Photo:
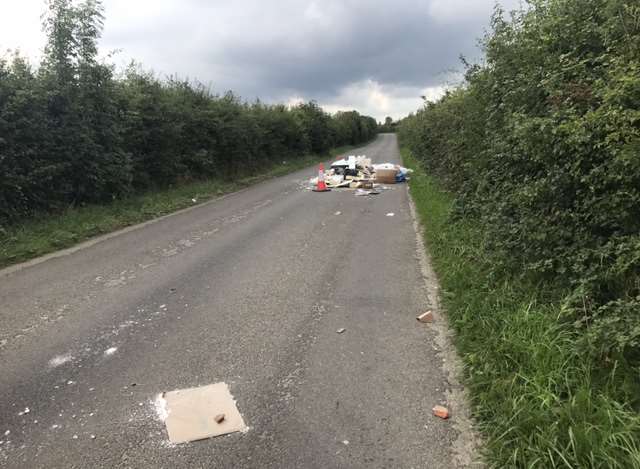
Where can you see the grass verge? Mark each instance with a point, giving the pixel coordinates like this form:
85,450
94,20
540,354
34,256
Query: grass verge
537,401
42,235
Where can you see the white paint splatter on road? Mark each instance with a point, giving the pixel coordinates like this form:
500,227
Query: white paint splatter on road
160,405
60,360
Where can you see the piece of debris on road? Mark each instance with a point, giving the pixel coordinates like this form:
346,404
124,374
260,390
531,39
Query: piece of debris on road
366,192
341,330
441,411
198,413
426,317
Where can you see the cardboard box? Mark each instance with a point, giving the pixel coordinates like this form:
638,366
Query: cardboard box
386,176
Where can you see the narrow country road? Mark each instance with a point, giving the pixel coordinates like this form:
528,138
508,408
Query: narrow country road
249,289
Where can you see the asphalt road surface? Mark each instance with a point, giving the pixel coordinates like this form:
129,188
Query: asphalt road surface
250,290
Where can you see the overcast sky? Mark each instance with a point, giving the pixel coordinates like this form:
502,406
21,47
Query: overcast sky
375,56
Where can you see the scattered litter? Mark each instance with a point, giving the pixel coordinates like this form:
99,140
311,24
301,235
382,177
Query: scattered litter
390,214
338,213
193,200
219,418
93,437
110,351
440,411
425,317
192,414
345,442
358,172
341,330
71,382
75,437
7,433
366,192
351,166
25,411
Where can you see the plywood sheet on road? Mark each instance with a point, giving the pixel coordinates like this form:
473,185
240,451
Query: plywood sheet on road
192,413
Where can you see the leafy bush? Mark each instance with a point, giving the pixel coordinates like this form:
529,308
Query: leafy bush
537,397
542,146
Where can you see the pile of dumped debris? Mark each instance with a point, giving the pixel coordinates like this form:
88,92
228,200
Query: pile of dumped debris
358,172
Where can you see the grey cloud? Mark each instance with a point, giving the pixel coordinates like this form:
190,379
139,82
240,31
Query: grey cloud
411,54
313,49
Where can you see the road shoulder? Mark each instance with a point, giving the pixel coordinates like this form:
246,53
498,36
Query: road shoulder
467,445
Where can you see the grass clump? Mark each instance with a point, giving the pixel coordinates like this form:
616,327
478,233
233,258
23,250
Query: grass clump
538,401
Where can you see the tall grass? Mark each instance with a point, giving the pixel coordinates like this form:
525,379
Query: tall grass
535,398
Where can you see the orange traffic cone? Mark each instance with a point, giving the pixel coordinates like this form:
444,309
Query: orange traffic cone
322,186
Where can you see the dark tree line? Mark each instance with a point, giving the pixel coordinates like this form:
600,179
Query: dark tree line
542,146
73,132
388,126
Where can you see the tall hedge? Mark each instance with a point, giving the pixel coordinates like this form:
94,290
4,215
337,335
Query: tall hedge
72,131
542,146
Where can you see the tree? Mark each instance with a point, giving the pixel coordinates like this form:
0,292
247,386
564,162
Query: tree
84,148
